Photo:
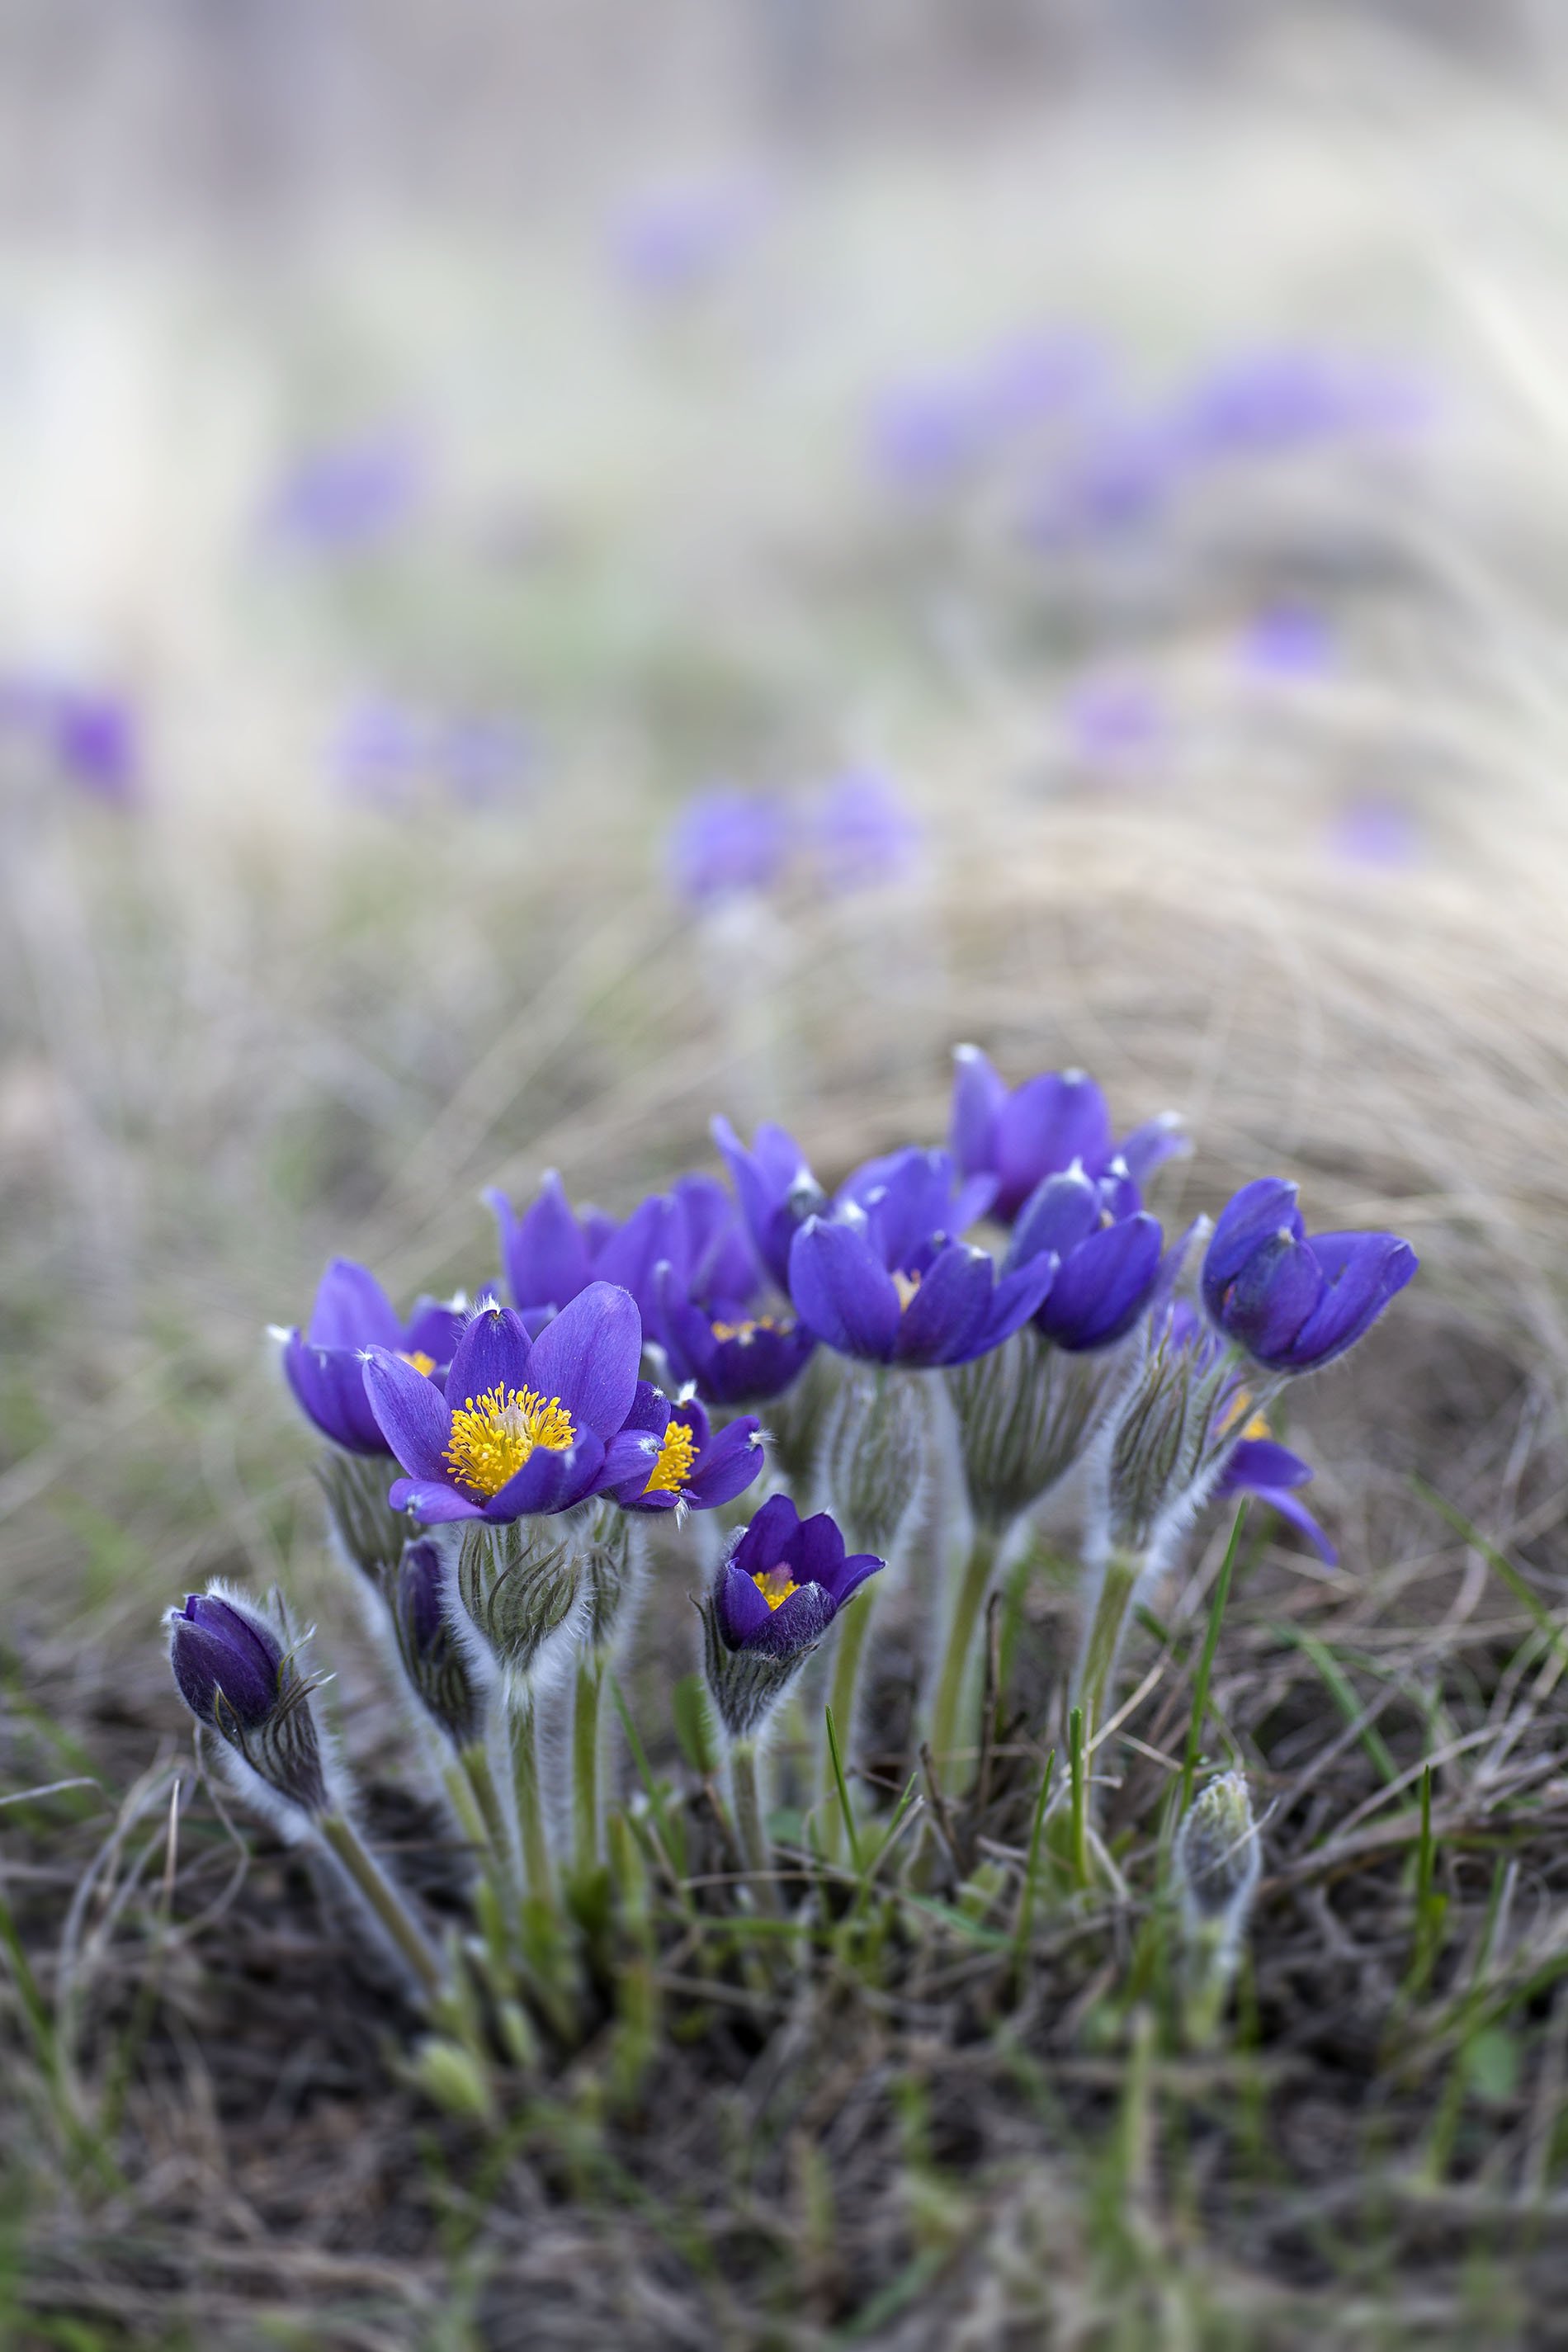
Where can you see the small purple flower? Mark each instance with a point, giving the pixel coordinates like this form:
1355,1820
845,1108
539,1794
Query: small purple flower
227,1661
726,845
1294,1303
785,1581
325,1368
734,1350
1021,1135
525,1427
379,755
552,1253
928,431
1374,829
1107,1253
775,1188
691,1467
883,1279
351,494
1288,642
862,832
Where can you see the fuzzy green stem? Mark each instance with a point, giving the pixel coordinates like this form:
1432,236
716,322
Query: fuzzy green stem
586,1759
342,1840
843,1698
537,1874
966,1609
475,1762
1102,1641
755,1850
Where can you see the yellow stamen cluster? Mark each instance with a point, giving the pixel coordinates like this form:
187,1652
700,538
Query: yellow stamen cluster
906,1284
747,1331
1255,1425
419,1360
776,1585
493,1436
677,1453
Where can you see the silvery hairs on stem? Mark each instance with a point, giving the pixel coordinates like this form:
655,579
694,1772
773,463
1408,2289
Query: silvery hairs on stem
874,1467
1218,1860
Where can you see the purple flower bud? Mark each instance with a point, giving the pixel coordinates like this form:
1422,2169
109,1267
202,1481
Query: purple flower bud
1294,1303
226,1660
432,1659
784,1582
1053,1123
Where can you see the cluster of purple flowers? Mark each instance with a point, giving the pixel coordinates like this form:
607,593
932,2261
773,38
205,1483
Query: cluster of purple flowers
853,834
617,1370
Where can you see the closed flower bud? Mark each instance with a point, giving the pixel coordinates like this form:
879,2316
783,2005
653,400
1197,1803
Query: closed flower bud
1217,1861
236,1670
520,1585
1025,1414
439,1674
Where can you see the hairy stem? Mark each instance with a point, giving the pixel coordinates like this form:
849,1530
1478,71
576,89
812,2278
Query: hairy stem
586,1759
843,1700
755,1850
383,1899
537,1874
966,1607
1102,1639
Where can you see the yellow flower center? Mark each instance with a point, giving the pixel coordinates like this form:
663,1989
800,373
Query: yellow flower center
1255,1425
747,1331
419,1360
493,1436
776,1585
677,1452
906,1284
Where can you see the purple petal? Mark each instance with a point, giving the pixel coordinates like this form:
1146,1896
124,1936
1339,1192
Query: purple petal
796,1623
1062,1210
1103,1285
841,1292
1150,1146
352,1310
629,1457
1361,1272
978,1096
652,1232
1268,1302
1049,1123
589,1356
767,1540
813,1550
410,1412
949,1308
329,1387
544,1253
1015,1297
548,1481
726,1466
1258,1213
494,1353
1262,1462
854,1573
1289,1506
741,1611
432,1330
430,1503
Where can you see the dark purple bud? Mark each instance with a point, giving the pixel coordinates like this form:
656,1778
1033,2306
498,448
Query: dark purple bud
220,1652
1296,1303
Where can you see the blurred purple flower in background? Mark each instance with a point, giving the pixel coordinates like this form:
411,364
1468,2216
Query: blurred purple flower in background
1115,722
483,759
89,734
1267,403
930,429
726,844
1119,476
1288,641
379,752
351,495
675,240
862,832
1374,829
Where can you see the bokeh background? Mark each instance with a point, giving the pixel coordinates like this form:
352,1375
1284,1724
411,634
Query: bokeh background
567,568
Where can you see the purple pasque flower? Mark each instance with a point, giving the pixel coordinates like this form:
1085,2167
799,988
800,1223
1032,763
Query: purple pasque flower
862,833
1107,1253
691,1467
726,844
525,1426
775,1188
551,1253
1294,1303
1020,1135
349,495
732,1348
226,1660
883,1279
785,1580
325,1368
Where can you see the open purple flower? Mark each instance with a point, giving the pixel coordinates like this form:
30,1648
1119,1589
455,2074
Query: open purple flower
325,1368
1294,1303
525,1426
775,1188
691,1467
733,1349
1108,1250
882,1279
785,1581
1023,1134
